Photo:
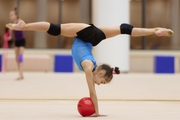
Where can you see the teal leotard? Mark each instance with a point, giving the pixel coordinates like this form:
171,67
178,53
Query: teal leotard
82,51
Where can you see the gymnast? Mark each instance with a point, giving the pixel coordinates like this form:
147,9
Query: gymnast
86,37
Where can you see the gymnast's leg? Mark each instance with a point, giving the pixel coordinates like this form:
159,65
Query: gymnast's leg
68,30
135,32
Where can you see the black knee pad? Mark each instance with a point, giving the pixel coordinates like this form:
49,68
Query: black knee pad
54,29
126,28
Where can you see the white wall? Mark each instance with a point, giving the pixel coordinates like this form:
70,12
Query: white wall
114,51
40,37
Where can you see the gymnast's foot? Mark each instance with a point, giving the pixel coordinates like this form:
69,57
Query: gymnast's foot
18,26
163,32
20,78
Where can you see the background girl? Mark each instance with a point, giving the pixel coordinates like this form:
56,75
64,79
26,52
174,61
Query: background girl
19,43
6,44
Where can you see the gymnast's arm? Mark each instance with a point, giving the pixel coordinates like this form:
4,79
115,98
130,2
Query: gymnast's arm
88,68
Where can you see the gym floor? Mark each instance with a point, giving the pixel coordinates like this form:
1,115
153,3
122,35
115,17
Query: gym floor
50,85
67,110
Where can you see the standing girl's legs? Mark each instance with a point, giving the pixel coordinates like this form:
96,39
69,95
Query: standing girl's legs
18,52
17,59
21,52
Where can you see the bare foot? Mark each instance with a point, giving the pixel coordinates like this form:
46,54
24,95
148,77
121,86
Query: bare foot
20,78
18,26
163,32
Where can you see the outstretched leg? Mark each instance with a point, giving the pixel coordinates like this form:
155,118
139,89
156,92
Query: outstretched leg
150,31
135,32
68,30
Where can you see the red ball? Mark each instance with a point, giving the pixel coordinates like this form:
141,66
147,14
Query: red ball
86,107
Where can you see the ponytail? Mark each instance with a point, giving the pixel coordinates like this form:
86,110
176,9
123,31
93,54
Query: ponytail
16,12
116,70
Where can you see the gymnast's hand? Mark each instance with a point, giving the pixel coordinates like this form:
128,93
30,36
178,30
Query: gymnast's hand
98,115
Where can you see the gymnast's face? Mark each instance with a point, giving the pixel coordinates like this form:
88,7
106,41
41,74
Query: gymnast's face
13,16
99,77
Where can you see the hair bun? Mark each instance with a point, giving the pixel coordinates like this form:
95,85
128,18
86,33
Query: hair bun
117,71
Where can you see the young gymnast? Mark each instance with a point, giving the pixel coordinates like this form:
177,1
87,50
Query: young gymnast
6,43
87,36
8,38
19,43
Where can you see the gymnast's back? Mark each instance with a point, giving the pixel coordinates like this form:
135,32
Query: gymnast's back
82,51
